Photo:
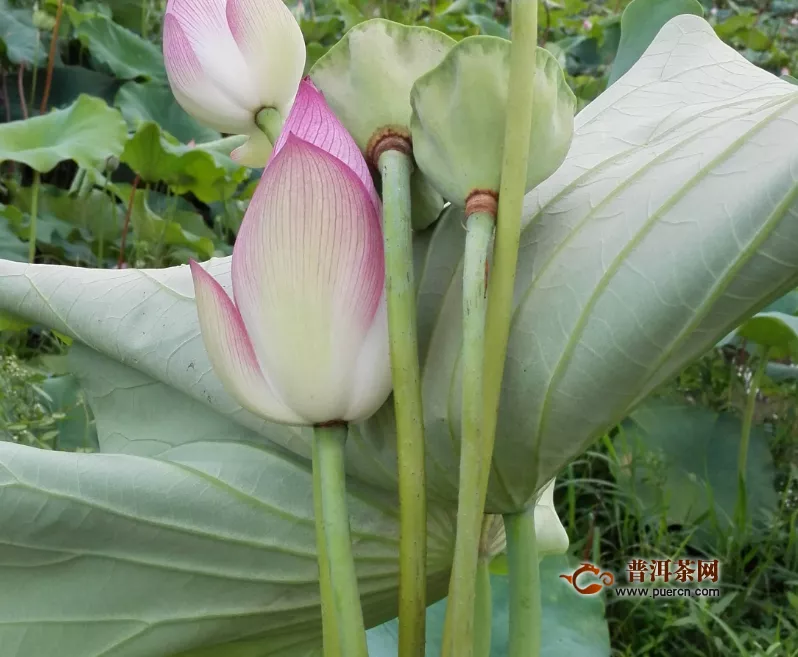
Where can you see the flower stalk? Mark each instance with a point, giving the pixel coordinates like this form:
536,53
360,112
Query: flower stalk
523,58
329,622
459,635
395,167
336,560
524,577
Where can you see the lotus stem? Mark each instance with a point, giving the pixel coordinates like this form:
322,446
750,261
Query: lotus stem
745,436
523,57
483,609
458,635
395,167
34,215
329,624
336,547
524,578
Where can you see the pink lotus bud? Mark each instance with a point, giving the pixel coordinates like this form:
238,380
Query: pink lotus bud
587,25
228,59
306,340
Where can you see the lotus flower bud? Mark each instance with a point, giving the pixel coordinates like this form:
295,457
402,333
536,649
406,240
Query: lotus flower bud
228,60
306,339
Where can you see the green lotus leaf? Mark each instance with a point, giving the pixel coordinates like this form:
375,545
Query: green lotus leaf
776,331
571,625
459,117
18,37
120,51
154,102
205,170
666,226
680,462
88,132
366,79
205,526
640,23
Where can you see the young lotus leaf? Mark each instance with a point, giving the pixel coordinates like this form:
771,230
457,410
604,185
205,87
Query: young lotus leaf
670,220
366,78
88,132
459,116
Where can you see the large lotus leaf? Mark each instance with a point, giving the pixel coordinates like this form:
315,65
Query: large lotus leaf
150,101
572,625
88,132
680,462
640,23
120,51
212,542
672,218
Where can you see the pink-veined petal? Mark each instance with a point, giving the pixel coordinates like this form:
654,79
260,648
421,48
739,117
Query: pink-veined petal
312,120
273,47
231,352
254,152
372,379
204,22
308,276
194,91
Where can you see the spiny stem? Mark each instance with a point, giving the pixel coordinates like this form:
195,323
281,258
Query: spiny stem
524,577
523,57
458,634
34,212
329,459
48,81
395,167
329,623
